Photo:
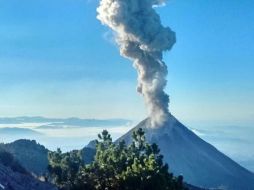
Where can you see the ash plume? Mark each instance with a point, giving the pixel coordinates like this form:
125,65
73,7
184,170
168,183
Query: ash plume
142,38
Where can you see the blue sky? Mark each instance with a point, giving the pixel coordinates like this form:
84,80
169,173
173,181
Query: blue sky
57,60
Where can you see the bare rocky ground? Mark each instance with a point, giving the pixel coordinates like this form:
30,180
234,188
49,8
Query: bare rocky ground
10,180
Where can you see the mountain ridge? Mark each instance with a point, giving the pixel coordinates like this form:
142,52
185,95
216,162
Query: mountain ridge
13,176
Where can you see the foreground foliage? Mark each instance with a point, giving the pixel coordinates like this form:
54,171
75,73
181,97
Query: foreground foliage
138,166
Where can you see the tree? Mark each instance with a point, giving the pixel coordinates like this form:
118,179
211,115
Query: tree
64,168
138,166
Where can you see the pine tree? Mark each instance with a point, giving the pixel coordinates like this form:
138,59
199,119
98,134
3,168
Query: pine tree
138,166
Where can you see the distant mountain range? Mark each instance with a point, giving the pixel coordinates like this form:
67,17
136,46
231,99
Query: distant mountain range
51,123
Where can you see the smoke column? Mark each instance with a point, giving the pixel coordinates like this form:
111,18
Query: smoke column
142,38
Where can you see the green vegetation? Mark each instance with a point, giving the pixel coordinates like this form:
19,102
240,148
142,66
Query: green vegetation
138,166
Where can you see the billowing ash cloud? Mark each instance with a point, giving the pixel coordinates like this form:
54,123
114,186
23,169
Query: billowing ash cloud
142,38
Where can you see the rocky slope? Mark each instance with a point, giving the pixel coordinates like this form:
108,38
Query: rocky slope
14,177
11,180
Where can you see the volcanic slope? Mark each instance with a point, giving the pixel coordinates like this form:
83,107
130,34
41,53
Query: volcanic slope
199,162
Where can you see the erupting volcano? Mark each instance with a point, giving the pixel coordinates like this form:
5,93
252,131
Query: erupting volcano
142,38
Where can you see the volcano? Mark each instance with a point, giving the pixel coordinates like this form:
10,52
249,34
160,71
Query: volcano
199,162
